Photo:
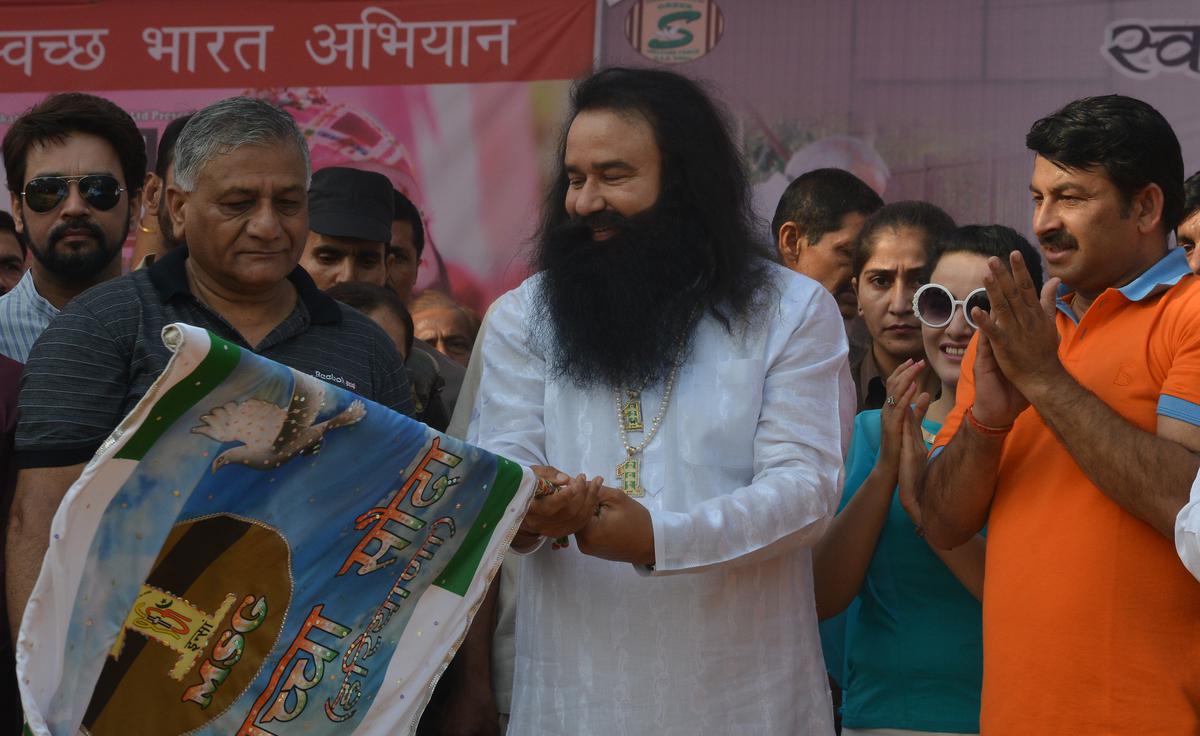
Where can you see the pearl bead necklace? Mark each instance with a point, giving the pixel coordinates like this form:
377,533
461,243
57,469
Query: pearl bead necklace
630,450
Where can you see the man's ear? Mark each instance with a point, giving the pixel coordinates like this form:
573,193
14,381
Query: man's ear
788,241
152,193
17,213
176,204
1147,207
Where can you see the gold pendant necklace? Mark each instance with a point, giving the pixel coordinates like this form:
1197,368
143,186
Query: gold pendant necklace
630,419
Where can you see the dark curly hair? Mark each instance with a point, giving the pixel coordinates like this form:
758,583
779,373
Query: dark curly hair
703,176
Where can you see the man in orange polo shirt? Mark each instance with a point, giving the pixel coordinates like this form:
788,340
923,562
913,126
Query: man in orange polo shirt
1073,436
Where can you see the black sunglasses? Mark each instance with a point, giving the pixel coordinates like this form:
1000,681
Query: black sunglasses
100,191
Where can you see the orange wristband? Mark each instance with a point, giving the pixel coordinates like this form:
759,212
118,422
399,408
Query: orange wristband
984,429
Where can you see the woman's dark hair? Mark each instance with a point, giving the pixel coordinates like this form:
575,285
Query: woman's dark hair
702,175
929,220
369,297
987,241
60,115
1126,137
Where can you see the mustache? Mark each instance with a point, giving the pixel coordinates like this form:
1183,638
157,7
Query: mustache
602,219
59,231
1058,239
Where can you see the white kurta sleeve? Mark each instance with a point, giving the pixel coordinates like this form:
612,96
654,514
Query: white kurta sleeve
799,442
1187,531
508,414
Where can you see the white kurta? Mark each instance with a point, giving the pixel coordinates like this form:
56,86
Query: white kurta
741,480
1187,531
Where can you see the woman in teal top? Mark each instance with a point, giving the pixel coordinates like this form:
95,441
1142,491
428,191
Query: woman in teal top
913,645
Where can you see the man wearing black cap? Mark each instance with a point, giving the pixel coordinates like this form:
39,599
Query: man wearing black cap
350,226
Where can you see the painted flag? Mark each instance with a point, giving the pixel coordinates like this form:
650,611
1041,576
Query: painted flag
256,552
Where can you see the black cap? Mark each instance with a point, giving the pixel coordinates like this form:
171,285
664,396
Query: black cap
351,203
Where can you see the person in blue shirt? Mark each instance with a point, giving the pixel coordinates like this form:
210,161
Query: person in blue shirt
913,644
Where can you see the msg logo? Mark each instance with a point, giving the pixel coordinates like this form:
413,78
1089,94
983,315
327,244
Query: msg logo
673,31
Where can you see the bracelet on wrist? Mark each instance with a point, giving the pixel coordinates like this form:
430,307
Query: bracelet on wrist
984,429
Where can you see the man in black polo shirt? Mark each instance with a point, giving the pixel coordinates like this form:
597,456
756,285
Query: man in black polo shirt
239,201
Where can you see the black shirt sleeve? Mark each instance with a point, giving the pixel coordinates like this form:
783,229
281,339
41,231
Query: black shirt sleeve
72,390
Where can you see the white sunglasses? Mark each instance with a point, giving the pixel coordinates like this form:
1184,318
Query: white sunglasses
935,305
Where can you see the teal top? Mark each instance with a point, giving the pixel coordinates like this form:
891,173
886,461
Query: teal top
914,647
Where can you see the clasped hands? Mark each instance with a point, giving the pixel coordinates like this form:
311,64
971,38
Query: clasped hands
1017,356
902,452
605,521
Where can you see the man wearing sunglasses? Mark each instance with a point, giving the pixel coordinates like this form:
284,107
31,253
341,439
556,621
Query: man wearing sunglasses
239,203
74,163
1073,439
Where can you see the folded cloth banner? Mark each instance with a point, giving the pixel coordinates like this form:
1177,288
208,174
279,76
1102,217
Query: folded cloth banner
254,551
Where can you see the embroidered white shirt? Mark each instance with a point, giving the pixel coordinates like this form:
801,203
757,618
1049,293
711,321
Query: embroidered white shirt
741,479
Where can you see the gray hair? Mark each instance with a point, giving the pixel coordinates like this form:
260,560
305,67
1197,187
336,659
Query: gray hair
230,124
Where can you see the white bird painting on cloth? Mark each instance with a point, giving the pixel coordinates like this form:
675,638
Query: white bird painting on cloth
270,434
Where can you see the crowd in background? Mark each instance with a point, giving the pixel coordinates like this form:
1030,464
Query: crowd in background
942,584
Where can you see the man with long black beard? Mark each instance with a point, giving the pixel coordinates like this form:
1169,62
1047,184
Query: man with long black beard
75,165
704,391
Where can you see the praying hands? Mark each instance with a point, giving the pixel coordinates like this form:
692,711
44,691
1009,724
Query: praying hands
606,522
1018,347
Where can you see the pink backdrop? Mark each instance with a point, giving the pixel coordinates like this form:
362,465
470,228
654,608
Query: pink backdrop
941,92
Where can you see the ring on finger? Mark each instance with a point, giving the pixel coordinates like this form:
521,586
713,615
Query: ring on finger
544,488
891,401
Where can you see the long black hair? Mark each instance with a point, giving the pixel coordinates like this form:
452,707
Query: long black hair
703,177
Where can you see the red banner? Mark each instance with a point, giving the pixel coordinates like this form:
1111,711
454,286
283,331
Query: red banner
152,45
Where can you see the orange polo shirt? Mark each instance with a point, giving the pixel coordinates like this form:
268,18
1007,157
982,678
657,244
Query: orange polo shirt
1091,623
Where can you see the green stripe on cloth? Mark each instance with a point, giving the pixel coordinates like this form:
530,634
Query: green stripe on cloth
222,358
458,574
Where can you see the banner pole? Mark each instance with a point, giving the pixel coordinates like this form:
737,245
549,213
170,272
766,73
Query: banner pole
599,35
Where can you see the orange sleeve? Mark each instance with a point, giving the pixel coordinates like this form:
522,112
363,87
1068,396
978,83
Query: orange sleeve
964,397
1179,397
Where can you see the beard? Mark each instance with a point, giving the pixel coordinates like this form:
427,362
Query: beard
620,312
78,264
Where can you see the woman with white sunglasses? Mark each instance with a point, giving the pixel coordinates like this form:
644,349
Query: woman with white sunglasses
914,641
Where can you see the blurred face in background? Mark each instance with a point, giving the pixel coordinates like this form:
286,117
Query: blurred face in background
447,329
331,260
885,289
12,261
394,327
829,261
403,261
1187,236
